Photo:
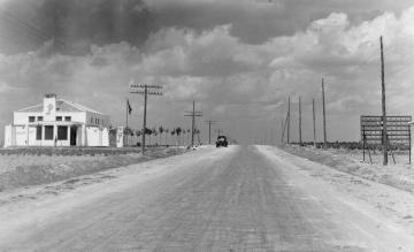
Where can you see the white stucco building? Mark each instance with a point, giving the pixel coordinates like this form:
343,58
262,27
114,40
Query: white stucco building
57,122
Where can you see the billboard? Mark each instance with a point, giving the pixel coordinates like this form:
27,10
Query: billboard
398,133
398,130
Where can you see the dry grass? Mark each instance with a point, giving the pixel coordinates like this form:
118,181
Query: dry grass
49,165
399,175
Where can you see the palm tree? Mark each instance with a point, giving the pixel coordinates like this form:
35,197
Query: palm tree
166,136
160,130
148,132
173,134
178,132
154,133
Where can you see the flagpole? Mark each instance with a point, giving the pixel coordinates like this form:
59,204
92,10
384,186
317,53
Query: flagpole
126,113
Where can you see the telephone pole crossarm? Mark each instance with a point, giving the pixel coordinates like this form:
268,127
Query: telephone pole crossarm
147,90
193,115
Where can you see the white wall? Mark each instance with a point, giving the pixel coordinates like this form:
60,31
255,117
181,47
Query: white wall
21,118
105,137
97,136
32,136
8,136
92,136
21,137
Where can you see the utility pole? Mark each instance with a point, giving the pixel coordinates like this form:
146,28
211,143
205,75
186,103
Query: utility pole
288,123
300,122
145,90
314,122
193,115
384,111
210,122
324,114
283,128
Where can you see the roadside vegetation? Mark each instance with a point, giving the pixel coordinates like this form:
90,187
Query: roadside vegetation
399,174
32,166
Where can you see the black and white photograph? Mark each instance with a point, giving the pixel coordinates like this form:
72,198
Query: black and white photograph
207,125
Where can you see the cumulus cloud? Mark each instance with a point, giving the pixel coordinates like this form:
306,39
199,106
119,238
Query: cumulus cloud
241,83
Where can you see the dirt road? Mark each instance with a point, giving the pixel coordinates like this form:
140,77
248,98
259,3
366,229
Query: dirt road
235,199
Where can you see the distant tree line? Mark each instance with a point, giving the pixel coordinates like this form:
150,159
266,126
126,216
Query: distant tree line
157,135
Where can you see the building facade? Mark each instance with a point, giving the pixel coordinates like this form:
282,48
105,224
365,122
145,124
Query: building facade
57,122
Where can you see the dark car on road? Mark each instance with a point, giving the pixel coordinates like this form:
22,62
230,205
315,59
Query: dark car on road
221,141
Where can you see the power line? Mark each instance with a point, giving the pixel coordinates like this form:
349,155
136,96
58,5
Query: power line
193,115
384,110
146,90
324,114
288,123
300,122
314,122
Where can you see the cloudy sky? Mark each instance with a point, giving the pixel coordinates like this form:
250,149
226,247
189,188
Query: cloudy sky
239,59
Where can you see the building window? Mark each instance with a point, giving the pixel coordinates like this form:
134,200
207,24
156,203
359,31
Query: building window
40,118
38,132
62,133
68,118
58,118
48,132
91,119
31,118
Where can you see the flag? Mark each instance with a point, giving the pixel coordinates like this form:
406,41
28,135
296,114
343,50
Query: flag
129,107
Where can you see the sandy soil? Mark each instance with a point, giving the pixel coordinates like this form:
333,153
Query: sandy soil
400,175
231,199
19,170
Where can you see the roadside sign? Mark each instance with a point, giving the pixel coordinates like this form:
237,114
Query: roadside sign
398,131
120,137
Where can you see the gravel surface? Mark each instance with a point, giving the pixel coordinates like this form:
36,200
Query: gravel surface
255,198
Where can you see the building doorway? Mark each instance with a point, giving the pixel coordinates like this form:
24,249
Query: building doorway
73,135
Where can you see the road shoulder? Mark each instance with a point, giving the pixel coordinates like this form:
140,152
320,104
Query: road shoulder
388,207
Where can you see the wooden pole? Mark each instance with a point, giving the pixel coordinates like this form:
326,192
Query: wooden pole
364,142
288,123
193,124
283,129
409,143
145,92
144,122
300,122
314,122
127,138
209,132
126,113
384,110
324,114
